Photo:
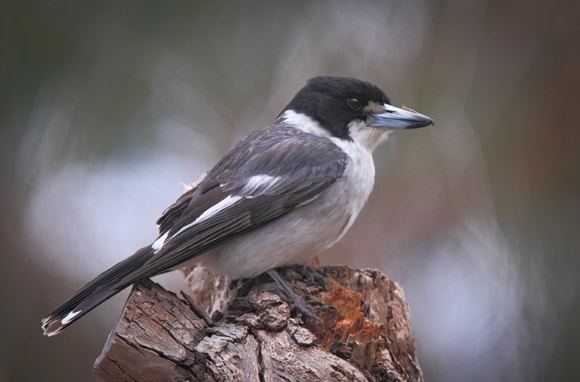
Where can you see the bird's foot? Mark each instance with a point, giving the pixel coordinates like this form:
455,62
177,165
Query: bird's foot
301,305
311,275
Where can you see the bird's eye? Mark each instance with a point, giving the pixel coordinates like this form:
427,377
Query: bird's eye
355,103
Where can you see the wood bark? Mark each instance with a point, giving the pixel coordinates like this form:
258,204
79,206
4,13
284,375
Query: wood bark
248,331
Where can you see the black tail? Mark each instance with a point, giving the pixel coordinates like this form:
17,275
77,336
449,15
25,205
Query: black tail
103,287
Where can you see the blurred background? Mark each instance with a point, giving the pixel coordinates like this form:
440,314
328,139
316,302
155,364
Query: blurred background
105,107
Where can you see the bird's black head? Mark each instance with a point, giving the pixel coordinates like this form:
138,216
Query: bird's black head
335,102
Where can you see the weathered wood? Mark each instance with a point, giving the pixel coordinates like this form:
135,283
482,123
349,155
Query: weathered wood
247,332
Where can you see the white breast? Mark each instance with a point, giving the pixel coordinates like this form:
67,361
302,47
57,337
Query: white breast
357,183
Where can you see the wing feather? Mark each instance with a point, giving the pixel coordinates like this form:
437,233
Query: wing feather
302,166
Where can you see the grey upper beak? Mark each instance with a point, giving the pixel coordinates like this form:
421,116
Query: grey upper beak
399,118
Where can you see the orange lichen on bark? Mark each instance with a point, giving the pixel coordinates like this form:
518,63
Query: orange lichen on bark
347,322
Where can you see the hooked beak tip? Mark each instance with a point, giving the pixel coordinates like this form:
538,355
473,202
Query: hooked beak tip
423,123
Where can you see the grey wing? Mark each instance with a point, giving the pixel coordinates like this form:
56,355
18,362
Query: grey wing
267,175
174,211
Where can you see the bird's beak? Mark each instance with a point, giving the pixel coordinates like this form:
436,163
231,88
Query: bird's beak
398,118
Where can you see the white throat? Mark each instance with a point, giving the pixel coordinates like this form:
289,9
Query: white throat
366,136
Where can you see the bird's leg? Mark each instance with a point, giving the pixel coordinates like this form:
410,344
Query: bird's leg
311,275
298,301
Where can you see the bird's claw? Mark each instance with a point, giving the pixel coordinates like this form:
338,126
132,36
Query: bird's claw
298,302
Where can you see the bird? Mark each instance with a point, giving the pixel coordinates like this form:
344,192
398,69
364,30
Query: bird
281,195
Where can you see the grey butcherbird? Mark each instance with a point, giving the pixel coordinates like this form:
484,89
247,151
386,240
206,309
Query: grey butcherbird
281,195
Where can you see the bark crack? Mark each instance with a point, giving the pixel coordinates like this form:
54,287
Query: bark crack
260,356
116,363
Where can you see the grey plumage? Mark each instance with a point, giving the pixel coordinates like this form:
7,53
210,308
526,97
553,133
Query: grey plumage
304,164
280,196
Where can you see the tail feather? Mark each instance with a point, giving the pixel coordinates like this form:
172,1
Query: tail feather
103,287
54,324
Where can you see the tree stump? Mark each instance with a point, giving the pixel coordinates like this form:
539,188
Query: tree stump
249,332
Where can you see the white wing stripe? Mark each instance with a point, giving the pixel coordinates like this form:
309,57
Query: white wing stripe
215,209
256,182
157,244
259,181
224,203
